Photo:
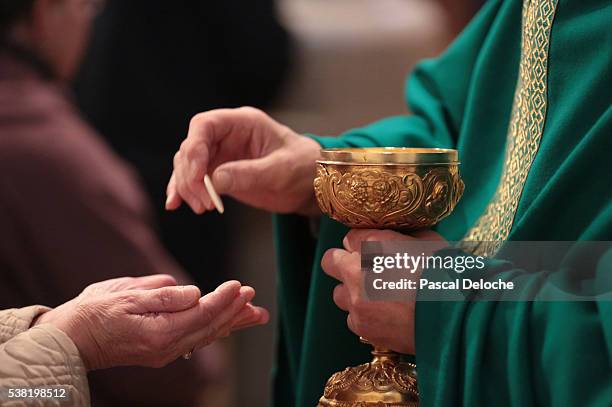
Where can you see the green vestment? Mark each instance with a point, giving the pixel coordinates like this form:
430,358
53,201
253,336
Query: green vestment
524,94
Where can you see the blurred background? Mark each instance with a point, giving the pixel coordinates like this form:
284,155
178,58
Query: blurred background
319,66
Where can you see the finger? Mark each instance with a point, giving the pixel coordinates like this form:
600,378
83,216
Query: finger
332,263
165,299
215,308
200,200
245,295
341,297
151,282
203,139
427,234
250,316
245,314
262,318
184,179
216,137
350,323
204,327
195,171
236,177
173,199
352,240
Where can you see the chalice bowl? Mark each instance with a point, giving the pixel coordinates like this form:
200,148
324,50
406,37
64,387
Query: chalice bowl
403,189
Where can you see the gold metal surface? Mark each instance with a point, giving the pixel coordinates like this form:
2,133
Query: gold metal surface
389,155
384,188
525,129
407,189
384,382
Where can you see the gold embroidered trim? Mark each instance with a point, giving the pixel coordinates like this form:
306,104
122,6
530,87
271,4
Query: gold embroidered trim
524,131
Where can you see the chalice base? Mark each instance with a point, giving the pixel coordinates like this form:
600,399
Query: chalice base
384,382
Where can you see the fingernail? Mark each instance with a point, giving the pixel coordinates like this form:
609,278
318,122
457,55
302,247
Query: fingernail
222,181
169,199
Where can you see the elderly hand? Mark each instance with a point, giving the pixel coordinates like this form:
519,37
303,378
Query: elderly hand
149,321
251,157
388,324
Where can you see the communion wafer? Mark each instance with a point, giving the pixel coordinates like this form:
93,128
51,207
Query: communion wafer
214,196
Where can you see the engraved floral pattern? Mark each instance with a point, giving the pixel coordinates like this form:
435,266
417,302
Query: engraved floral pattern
385,375
370,197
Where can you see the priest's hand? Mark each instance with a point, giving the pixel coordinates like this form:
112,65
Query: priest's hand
149,321
250,157
388,324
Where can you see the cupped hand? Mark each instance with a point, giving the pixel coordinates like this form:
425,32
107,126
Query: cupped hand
149,321
388,324
251,157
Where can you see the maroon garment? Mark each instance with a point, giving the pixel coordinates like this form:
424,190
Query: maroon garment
72,213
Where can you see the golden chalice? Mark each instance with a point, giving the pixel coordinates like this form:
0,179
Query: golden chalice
384,188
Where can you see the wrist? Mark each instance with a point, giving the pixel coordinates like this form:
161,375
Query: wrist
61,318
40,318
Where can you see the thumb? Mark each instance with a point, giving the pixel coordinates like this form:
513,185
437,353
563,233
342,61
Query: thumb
167,299
243,175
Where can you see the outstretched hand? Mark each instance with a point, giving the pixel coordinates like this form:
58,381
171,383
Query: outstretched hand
149,321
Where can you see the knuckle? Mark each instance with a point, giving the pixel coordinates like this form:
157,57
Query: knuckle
177,158
352,235
184,146
363,235
196,153
252,111
197,119
355,235
165,298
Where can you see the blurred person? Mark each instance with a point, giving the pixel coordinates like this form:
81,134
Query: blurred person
72,212
145,321
523,94
152,65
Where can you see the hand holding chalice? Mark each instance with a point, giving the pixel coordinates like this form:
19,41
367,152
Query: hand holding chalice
404,189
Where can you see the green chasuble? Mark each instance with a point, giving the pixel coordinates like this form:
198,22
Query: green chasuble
524,94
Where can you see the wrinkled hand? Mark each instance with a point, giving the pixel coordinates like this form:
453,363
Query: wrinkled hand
388,324
149,321
250,157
